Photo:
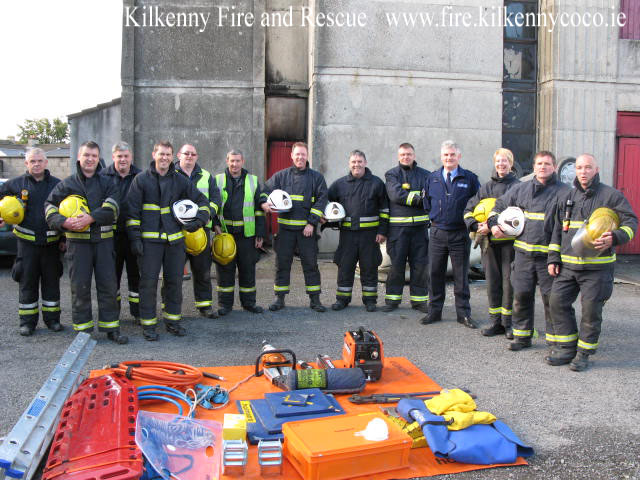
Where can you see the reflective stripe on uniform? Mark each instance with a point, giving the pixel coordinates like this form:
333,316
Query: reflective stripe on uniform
419,298
495,310
298,198
588,346
419,218
562,338
134,297
286,221
529,247
247,289
393,297
224,289
150,206
203,303
171,316
131,223
83,326
554,247
587,260
628,231
317,212
506,311
313,288
343,294
521,333
78,235
114,324
281,288
534,215
148,321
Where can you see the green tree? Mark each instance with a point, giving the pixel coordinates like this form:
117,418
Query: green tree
44,131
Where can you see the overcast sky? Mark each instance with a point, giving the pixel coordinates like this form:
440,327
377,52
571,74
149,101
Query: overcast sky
58,57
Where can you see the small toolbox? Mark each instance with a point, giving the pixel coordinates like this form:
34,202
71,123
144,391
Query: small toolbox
329,449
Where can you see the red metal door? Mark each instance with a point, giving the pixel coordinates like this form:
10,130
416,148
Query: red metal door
279,159
628,182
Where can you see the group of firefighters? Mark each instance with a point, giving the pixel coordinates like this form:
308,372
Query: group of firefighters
538,231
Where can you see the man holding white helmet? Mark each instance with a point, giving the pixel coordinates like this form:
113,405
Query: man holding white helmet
307,190
187,164
90,250
157,214
582,259
363,229
536,198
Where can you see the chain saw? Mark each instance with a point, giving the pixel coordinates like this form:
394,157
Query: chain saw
273,363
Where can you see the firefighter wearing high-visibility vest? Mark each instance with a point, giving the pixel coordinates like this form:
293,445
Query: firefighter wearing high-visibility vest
408,239
89,241
497,254
240,215
591,220
297,227
37,266
157,237
364,228
536,198
201,263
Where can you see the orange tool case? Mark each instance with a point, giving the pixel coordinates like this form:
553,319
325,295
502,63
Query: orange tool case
329,449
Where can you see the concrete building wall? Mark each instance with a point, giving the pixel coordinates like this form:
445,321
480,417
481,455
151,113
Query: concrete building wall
187,86
100,124
14,166
373,88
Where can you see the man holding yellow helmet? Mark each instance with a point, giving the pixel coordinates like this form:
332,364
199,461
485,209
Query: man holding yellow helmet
590,220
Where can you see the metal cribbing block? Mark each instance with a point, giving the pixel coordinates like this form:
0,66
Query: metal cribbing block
235,454
270,457
27,443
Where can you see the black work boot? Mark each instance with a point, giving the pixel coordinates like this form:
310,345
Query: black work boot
55,327
389,307
495,326
559,356
580,363
432,317
508,331
208,312
370,307
278,304
253,308
176,329
315,304
519,343
115,337
224,310
339,305
149,333
421,307
26,330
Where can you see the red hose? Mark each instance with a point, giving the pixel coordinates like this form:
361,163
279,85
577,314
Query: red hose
152,372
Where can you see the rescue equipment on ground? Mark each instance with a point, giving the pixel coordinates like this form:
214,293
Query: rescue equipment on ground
12,210
235,455
95,438
74,206
332,380
195,242
180,447
511,221
270,457
170,374
363,349
483,208
234,427
184,211
224,248
410,428
334,212
273,363
601,220
395,397
266,416
328,449
467,436
27,442
280,201
324,361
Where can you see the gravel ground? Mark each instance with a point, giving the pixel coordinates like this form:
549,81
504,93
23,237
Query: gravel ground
582,425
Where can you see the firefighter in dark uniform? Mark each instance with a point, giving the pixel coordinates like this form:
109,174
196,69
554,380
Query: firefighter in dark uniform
201,264
90,251
591,276
122,172
157,238
297,228
497,255
242,216
537,198
364,198
37,264
446,194
408,239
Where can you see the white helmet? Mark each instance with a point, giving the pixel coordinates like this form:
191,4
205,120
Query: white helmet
334,212
280,201
511,221
184,211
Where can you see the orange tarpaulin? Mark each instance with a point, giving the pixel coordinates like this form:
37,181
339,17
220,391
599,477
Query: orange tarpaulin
398,376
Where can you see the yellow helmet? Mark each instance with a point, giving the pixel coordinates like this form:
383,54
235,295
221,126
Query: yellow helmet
195,242
224,248
73,206
12,210
601,220
483,208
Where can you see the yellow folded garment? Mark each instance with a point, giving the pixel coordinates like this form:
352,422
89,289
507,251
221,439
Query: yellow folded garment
451,400
463,420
